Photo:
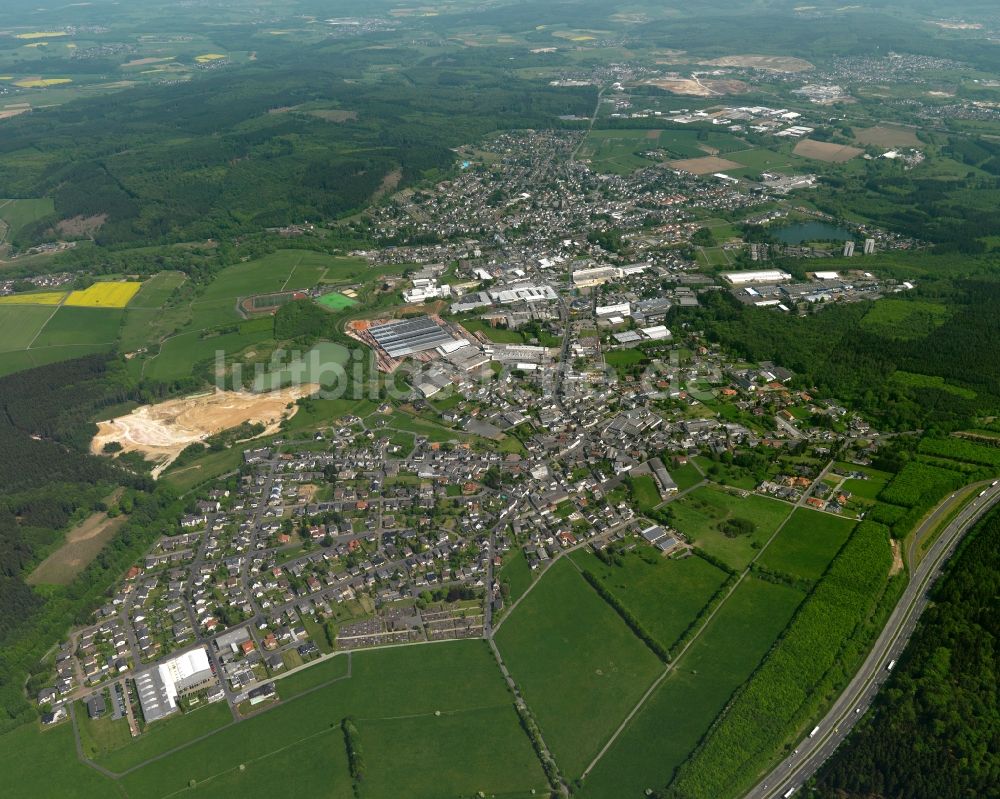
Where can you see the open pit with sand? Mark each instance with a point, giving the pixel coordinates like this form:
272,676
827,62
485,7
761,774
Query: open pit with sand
161,432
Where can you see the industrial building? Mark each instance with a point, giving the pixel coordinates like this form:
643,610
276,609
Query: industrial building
760,276
527,292
618,309
159,687
409,336
586,278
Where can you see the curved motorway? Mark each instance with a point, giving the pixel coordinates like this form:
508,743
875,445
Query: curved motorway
804,762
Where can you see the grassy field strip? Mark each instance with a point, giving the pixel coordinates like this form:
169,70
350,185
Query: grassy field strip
568,642
39,332
919,544
296,266
257,759
687,647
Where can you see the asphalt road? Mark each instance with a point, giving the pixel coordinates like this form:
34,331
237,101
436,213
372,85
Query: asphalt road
797,768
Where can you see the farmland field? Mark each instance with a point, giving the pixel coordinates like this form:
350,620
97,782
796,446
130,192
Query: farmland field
76,326
20,324
820,648
704,166
564,643
419,752
673,720
283,270
617,151
887,136
664,595
764,160
645,493
157,290
516,573
700,514
826,151
167,734
685,476
34,298
301,738
178,354
104,295
807,543
18,213
43,763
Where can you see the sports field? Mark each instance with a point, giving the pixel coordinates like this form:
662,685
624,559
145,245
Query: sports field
336,301
807,543
664,595
104,295
674,719
702,516
579,667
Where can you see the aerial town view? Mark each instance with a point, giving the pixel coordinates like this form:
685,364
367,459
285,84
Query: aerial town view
495,400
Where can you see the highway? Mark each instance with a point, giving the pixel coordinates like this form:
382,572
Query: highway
805,761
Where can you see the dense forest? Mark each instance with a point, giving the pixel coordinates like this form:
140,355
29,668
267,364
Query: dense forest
47,481
942,378
935,730
295,139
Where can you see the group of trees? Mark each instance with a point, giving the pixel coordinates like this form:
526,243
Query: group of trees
49,480
627,616
933,734
831,350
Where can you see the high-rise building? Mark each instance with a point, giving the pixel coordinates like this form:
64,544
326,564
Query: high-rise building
848,249
869,246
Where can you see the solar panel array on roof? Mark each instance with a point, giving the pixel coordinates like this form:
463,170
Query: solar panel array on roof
409,336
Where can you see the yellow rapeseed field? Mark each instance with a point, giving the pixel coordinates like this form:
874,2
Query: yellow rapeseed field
41,83
41,298
40,35
204,59
104,295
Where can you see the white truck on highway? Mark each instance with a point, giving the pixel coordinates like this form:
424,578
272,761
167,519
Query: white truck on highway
815,730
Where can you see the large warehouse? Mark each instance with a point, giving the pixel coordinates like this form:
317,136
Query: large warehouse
159,686
409,336
761,276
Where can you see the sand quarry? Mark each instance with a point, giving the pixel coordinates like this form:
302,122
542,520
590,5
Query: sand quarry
160,432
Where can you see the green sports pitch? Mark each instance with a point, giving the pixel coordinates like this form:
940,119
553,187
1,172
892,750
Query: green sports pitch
336,301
